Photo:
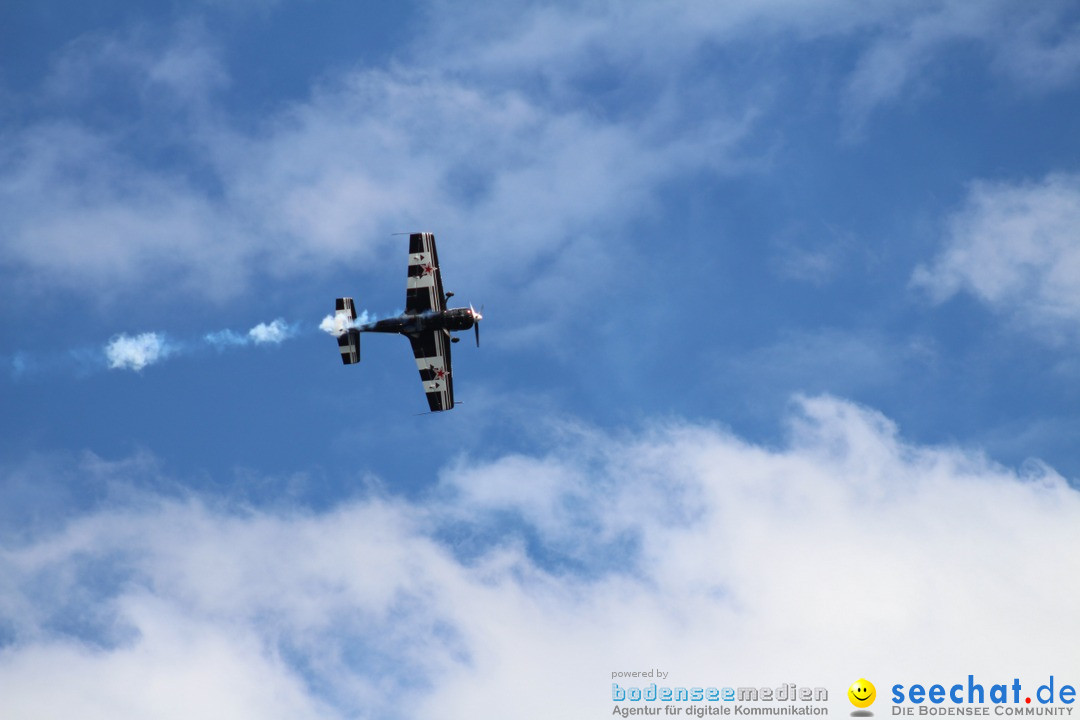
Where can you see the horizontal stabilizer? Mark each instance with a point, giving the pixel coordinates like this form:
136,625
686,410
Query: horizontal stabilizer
349,344
345,306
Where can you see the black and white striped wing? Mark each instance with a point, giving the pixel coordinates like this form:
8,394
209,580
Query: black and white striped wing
432,352
424,291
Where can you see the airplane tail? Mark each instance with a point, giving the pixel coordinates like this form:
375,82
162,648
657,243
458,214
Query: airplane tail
348,336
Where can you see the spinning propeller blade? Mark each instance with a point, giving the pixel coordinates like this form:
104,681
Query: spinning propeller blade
477,317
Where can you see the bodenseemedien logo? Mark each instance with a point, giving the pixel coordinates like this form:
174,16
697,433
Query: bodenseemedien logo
699,701
862,695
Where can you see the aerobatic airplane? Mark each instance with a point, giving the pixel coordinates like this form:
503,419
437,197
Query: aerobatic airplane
426,322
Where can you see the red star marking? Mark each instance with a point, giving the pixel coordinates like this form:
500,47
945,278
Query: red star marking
439,372
427,267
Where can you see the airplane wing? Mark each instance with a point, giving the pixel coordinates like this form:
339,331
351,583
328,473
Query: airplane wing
424,291
432,351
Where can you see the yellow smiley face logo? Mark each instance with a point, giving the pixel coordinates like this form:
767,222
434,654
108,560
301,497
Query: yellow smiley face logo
862,693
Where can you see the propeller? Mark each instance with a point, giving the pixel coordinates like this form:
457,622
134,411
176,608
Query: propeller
477,317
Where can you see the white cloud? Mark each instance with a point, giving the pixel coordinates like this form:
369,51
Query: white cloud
328,180
494,135
1041,48
566,42
178,66
818,255
523,581
507,179
908,44
179,667
1035,46
80,213
1016,248
136,352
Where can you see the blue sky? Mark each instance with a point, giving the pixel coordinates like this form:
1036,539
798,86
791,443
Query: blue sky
766,285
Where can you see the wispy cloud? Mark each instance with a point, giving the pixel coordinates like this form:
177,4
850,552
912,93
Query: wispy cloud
467,137
484,161
1035,46
1015,248
18,364
494,130
539,574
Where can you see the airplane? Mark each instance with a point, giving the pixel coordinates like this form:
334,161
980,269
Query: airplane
427,322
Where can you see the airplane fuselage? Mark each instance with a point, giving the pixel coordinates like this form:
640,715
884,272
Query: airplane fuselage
450,320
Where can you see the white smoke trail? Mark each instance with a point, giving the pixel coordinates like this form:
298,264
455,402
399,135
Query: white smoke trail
225,338
137,352
274,332
327,324
140,351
